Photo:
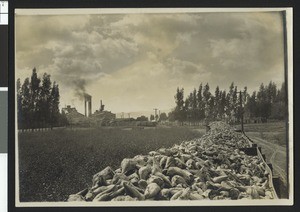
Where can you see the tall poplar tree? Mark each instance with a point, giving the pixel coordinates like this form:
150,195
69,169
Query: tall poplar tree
34,99
19,103
217,103
201,104
26,103
45,99
206,98
179,110
54,105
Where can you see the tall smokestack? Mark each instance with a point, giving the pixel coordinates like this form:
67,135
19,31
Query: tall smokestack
101,106
90,107
85,107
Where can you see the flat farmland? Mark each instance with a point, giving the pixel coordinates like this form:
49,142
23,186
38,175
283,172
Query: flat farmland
274,132
54,164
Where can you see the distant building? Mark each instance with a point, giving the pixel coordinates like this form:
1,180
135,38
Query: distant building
102,118
99,118
74,117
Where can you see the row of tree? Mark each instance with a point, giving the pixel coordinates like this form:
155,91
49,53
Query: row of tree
268,103
161,117
38,102
199,105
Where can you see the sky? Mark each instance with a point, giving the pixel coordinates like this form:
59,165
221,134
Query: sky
135,62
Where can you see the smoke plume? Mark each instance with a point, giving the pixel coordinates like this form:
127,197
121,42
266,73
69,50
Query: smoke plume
79,90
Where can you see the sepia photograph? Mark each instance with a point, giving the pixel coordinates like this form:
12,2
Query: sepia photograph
153,107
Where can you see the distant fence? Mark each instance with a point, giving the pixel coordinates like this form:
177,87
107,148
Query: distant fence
39,129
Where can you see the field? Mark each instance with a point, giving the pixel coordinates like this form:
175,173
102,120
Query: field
54,164
274,132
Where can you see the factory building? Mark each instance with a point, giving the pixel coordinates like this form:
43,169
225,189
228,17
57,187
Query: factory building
74,117
101,117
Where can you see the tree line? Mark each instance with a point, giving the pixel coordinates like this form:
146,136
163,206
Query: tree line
38,102
268,102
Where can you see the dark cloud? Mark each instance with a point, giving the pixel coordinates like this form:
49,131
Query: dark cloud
34,31
128,55
237,47
37,57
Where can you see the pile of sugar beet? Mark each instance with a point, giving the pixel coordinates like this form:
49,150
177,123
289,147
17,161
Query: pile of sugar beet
211,167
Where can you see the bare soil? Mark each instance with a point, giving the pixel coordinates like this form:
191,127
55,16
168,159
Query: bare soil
273,140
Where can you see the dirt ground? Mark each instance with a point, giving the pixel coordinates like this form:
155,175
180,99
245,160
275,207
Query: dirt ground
271,137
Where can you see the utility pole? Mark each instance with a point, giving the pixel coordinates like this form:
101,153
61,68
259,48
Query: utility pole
158,114
241,112
155,109
128,115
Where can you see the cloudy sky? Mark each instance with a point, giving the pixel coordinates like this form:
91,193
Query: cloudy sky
135,62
